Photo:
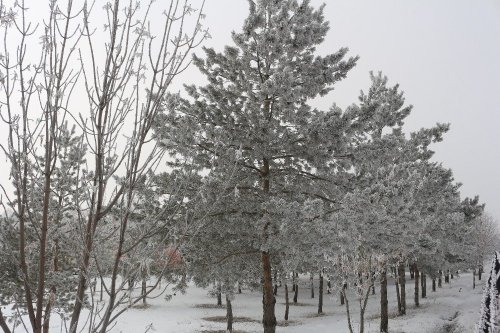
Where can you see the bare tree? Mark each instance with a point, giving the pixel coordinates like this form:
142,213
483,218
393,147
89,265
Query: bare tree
110,84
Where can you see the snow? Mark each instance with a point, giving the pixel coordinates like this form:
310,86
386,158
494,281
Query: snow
455,306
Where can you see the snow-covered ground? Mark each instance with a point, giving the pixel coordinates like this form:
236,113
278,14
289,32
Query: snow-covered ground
452,309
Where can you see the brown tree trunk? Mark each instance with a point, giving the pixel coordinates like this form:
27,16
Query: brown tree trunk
219,294
229,315
342,295
434,284
417,277
268,300
384,309
3,323
480,273
347,309
312,285
42,261
412,272
296,293
447,277
48,309
423,284
474,279
398,296
287,302
440,279
328,286
402,286
101,291
362,311
143,290
275,291
320,294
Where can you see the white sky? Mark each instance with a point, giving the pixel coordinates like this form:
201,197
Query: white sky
444,54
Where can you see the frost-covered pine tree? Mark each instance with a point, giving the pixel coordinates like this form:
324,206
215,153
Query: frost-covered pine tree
378,210
254,111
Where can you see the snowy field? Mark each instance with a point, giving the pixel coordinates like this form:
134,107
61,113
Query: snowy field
452,309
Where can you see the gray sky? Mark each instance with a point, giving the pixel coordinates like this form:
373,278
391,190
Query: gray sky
444,54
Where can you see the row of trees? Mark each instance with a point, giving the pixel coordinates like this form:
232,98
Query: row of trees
340,192
116,181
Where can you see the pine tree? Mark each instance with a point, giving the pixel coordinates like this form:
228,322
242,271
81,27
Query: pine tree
378,211
254,111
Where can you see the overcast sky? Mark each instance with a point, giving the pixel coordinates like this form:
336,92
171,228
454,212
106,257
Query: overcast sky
444,54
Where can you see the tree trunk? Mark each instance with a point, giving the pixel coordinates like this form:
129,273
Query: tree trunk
362,311
275,291
328,286
229,315
480,272
52,295
434,284
296,293
101,292
320,294
447,277
384,309
268,300
312,285
417,278
287,302
342,295
424,285
3,323
219,294
130,282
51,121
398,296
143,290
440,279
402,286
412,272
239,288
